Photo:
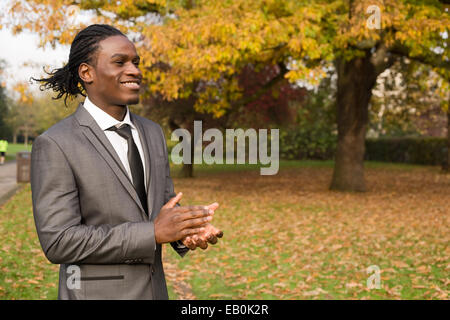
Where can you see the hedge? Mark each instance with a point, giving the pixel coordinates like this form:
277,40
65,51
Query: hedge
322,146
417,150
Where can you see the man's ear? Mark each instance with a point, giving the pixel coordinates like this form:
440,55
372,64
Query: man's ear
86,73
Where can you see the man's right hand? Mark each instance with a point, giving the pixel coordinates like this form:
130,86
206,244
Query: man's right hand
175,223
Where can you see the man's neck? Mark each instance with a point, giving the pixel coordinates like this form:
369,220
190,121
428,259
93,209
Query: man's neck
118,112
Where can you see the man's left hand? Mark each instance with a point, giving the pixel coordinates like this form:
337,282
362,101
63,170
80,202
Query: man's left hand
209,235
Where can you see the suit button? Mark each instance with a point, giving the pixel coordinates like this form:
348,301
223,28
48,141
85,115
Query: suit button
153,269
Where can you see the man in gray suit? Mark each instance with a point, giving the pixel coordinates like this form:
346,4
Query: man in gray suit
103,199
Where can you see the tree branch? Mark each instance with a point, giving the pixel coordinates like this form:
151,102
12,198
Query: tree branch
433,60
382,59
263,89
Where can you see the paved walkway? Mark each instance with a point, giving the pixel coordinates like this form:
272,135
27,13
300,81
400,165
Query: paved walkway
8,184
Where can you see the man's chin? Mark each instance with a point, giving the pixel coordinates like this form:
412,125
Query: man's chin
134,100
129,101
125,100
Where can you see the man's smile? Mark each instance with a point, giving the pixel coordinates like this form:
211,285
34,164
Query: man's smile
132,84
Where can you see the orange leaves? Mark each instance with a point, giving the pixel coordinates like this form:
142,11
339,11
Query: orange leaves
25,97
216,38
400,264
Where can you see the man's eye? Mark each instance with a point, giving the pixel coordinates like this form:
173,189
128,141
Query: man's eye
119,63
136,63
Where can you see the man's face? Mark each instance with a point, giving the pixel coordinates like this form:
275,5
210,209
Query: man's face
116,78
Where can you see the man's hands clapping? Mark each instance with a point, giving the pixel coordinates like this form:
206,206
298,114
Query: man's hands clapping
208,235
189,224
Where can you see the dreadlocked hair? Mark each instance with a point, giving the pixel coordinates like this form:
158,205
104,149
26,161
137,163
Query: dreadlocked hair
66,81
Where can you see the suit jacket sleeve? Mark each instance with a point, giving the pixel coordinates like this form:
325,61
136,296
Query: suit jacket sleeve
62,234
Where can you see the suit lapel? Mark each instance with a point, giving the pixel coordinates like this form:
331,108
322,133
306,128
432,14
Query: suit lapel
146,143
101,143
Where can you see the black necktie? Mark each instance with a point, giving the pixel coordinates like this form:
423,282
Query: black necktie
135,162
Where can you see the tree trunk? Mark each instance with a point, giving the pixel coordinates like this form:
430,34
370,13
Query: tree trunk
187,171
448,139
26,136
446,166
356,78
15,137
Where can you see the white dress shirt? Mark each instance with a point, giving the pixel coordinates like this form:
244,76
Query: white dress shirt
105,121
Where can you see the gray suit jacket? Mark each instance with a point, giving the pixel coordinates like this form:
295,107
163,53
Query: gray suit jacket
88,215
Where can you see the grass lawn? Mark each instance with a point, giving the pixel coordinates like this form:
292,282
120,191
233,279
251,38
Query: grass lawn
285,236
288,237
25,272
13,148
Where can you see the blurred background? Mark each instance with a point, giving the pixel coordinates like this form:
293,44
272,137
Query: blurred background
359,91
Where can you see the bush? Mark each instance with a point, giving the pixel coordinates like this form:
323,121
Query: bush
315,134
296,144
314,144
417,150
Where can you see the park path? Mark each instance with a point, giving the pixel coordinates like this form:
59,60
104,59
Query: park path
8,184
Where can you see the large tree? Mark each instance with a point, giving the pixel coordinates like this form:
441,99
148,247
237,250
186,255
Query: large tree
212,41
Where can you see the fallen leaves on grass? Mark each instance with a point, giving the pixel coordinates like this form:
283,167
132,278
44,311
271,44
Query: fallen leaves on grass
25,271
288,237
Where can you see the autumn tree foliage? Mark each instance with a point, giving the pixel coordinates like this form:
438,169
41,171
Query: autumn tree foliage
260,107
267,96
212,41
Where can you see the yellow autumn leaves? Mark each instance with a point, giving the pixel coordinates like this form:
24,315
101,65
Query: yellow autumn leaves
211,41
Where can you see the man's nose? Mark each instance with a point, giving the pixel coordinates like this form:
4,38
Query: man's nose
134,70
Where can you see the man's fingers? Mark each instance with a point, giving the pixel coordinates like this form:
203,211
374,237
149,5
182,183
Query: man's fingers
183,209
195,214
210,236
191,231
213,206
189,243
194,240
216,232
198,222
200,242
212,239
173,201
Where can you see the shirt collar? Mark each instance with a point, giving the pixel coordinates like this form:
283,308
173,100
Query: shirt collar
104,120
